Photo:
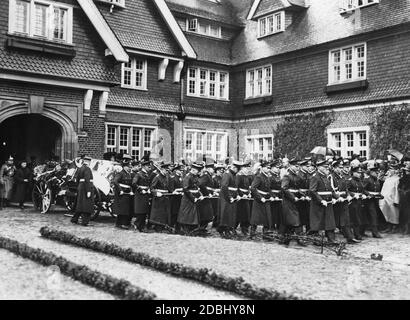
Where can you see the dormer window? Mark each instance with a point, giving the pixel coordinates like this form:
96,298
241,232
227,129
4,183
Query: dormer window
204,28
271,24
46,20
349,5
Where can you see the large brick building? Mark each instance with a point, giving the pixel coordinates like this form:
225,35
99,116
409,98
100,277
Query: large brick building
211,77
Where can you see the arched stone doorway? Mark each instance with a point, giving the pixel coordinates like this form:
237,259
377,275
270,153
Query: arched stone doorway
44,135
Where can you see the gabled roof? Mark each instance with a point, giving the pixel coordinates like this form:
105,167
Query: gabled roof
319,24
104,30
263,7
147,25
222,12
175,28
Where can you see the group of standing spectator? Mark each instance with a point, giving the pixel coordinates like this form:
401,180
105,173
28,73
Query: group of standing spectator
15,182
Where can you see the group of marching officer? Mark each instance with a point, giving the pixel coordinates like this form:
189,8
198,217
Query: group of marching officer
304,197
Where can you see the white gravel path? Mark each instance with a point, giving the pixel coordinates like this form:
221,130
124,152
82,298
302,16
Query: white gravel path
23,279
163,285
300,271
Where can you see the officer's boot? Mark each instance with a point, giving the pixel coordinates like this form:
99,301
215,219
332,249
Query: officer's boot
283,230
356,233
375,232
245,230
253,231
330,234
1,203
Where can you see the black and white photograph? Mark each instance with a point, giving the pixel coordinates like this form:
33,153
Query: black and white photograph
208,153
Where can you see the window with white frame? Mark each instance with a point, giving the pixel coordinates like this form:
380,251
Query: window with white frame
271,24
347,64
347,5
198,143
259,82
349,141
259,147
133,140
41,19
204,28
208,83
134,74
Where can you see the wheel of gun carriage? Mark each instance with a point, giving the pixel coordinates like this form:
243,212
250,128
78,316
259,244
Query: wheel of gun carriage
97,203
37,194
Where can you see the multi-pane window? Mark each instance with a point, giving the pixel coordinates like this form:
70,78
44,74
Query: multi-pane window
135,141
41,19
260,147
208,83
134,74
204,28
111,139
346,5
205,143
347,64
124,139
259,82
349,141
271,24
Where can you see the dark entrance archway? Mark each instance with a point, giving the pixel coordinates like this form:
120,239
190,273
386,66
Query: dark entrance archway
30,135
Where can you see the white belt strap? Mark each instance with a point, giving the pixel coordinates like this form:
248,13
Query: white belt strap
262,192
325,193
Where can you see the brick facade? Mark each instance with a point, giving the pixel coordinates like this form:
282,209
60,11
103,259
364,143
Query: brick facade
299,57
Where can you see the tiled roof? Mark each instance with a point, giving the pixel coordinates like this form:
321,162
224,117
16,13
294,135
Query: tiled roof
145,101
222,12
211,50
142,100
377,91
140,26
318,24
40,64
266,6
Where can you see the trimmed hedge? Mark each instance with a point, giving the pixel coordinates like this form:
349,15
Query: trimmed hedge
120,288
203,275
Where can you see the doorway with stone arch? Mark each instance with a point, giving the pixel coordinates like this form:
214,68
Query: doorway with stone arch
28,136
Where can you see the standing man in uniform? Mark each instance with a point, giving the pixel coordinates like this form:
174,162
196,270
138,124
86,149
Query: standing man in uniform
275,189
141,187
323,199
175,186
341,208
229,197
123,194
7,173
372,190
304,204
188,211
205,185
291,217
85,200
23,178
243,212
356,189
404,199
217,178
260,188
161,206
